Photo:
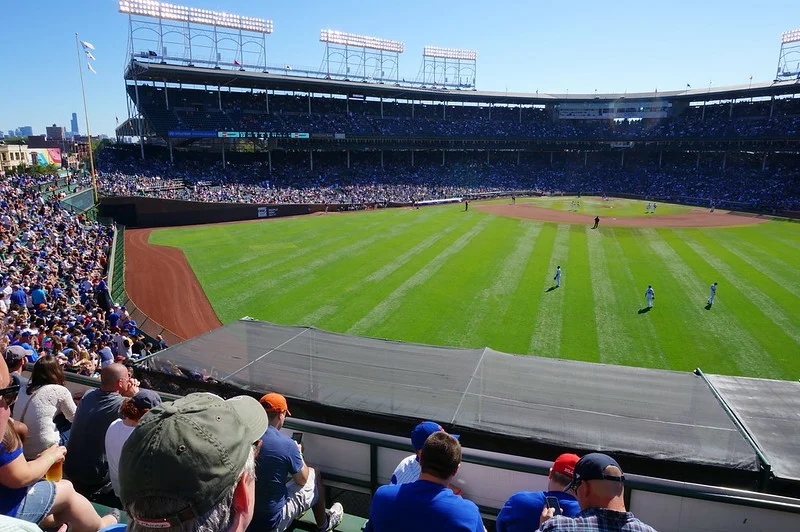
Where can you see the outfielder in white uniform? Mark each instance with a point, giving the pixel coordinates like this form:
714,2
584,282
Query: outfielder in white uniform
557,278
713,294
650,295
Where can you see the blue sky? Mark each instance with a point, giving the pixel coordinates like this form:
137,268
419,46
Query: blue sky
522,45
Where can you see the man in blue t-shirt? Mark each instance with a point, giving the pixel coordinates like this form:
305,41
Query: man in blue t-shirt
24,341
427,504
279,503
525,507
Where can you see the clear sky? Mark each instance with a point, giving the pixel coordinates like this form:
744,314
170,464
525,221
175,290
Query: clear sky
523,45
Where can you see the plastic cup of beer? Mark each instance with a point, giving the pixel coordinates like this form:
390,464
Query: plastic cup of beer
56,472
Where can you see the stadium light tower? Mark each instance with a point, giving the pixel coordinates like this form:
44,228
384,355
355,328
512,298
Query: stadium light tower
349,55
789,58
235,41
449,67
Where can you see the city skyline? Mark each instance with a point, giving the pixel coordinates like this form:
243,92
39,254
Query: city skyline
625,47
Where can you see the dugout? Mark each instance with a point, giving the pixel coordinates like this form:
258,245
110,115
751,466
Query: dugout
731,431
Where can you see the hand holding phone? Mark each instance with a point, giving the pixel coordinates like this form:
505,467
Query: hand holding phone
552,502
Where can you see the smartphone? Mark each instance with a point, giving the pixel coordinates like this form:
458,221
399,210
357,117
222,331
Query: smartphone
552,502
298,437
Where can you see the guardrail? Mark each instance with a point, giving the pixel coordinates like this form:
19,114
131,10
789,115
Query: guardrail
660,502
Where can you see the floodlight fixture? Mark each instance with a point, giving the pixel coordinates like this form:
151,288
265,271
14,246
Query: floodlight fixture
450,53
360,41
790,36
151,8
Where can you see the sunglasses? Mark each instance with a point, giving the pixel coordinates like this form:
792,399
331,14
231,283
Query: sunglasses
575,485
9,395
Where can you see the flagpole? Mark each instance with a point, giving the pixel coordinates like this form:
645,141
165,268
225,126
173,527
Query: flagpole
86,114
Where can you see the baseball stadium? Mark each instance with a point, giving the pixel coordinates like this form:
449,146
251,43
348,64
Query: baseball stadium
538,273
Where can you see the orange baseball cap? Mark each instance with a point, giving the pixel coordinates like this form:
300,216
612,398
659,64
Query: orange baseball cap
275,402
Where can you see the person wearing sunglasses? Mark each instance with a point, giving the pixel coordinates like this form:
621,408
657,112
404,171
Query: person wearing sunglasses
23,494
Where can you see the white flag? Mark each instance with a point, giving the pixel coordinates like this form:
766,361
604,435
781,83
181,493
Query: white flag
90,68
87,44
90,56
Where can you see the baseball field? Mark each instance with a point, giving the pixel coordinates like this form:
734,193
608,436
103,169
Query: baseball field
484,277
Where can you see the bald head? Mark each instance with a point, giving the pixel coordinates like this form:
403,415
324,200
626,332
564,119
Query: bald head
602,493
111,375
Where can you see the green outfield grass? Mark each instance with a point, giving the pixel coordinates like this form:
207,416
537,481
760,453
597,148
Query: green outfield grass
594,206
443,276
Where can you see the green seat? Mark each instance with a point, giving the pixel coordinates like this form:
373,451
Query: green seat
350,523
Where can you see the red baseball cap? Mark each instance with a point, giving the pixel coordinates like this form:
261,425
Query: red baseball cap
565,464
275,402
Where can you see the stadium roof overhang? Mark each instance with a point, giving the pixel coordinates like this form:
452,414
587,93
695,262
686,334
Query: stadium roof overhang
158,72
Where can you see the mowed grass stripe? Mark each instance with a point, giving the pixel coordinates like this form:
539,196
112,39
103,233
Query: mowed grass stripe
377,314
727,326
675,326
783,233
638,331
767,262
614,343
327,241
490,303
277,238
754,335
439,310
546,337
578,324
513,335
750,282
296,274
351,278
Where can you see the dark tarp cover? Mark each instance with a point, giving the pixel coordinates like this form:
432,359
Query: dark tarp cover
770,411
664,415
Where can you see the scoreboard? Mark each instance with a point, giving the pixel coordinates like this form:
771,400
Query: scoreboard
260,135
238,134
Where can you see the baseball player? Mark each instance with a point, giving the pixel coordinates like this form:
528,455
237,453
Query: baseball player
572,205
557,278
713,294
650,295
654,207
647,210
596,222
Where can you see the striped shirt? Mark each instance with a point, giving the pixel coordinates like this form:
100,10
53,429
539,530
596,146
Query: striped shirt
407,471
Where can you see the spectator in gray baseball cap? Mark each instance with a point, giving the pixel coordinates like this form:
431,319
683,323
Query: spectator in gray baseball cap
190,465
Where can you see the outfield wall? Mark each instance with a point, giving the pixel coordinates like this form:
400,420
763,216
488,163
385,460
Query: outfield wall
136,211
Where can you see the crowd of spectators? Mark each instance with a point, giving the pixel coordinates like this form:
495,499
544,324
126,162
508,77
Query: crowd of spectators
742,184
244,111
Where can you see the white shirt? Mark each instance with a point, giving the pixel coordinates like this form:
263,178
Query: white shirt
42,406
116,436
407,471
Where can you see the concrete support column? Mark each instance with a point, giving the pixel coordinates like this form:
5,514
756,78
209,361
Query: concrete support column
348,158
311,159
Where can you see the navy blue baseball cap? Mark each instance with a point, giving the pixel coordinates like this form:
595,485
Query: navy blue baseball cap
146,399
422,431
593,467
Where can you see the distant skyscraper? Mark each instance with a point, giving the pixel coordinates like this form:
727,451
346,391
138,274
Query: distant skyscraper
10,132
25,131
74,124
